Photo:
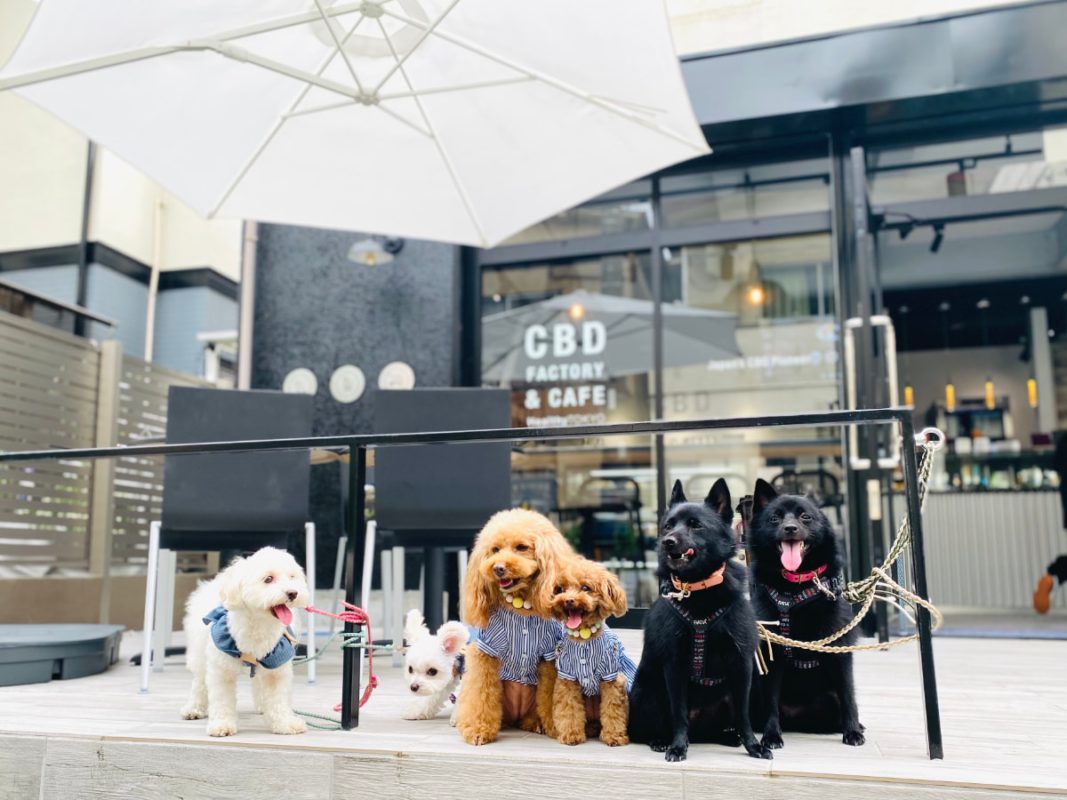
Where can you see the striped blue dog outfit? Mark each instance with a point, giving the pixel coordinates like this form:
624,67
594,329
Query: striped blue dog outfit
591,661
520,642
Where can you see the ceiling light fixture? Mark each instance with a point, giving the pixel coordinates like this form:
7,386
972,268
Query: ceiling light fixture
375,250
939,237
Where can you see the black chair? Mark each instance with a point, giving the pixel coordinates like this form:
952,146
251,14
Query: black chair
821,485
227,502
609,518
437,497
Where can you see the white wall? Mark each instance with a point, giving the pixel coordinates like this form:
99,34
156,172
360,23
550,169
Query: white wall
42,172
708,25
124,207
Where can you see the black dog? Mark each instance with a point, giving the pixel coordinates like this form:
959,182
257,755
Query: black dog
695,675
797,577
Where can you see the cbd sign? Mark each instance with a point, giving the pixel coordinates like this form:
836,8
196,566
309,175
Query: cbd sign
565,339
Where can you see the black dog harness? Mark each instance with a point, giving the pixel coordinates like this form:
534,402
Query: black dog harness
787,602
699,627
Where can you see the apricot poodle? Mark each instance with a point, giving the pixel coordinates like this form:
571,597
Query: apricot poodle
515,553
589,692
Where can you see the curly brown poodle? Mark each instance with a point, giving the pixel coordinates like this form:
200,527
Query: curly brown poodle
588,694
515,553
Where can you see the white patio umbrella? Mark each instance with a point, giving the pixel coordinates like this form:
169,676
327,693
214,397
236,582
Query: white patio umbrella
456,120
623,342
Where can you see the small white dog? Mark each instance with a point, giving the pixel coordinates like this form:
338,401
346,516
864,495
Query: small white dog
434,665
241,622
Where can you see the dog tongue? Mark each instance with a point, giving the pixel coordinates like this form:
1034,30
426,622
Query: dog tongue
283,613
792,555
573,621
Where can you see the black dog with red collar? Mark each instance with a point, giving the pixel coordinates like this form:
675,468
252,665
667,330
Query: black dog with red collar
797,574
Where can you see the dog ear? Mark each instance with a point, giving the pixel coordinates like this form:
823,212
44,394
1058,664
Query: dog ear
230,583
719,500
677,495
479,595
414,626
762,496
553,552
453,635
613,593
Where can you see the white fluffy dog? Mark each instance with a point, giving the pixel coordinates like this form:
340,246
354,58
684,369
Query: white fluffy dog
241,622
434,665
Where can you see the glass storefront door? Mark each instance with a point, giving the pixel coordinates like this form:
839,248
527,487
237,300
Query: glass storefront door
749,327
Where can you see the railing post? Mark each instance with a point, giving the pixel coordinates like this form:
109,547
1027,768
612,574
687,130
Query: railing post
357,508
934,744
102,495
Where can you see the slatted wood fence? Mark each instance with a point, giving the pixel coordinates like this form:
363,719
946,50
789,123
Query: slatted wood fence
57,391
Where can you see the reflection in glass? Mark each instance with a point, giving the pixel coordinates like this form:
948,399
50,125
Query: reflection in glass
699,198
1015,163
624,210
782,291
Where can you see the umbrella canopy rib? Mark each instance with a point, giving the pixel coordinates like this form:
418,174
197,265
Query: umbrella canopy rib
549,80
460,188
339,45
282,118
422,38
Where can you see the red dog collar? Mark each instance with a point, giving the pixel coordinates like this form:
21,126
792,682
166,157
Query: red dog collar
803,577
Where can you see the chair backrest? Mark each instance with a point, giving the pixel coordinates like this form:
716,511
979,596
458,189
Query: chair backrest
454,487
208,497
824,485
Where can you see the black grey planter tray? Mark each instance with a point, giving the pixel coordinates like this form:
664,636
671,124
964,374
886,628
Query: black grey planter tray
40,653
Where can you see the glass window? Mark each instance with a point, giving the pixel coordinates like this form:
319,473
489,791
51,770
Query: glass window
1013,163
624,210
699,198
781,358
573,342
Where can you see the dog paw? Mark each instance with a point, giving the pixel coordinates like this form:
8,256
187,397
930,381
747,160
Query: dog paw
676,752
477,736
452,719
658,747
289,726
773,741
531,725
614,739
853,738
759,750
222,728
416,711
192,712
572,737
729,738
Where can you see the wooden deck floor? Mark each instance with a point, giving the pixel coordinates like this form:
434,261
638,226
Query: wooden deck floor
1004,710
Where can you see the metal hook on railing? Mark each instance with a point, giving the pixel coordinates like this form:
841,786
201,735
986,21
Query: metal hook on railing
930,437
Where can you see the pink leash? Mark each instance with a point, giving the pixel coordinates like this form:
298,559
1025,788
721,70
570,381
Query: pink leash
356,616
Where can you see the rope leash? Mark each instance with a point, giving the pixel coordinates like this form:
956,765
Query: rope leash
352,639
877,586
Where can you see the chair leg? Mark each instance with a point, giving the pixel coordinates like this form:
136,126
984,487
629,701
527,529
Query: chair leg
309,558
368,564
166,566
149,604
387,594
462,558
397,613
338,571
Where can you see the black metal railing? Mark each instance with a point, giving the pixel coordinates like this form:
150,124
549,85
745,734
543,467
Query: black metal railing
358,445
